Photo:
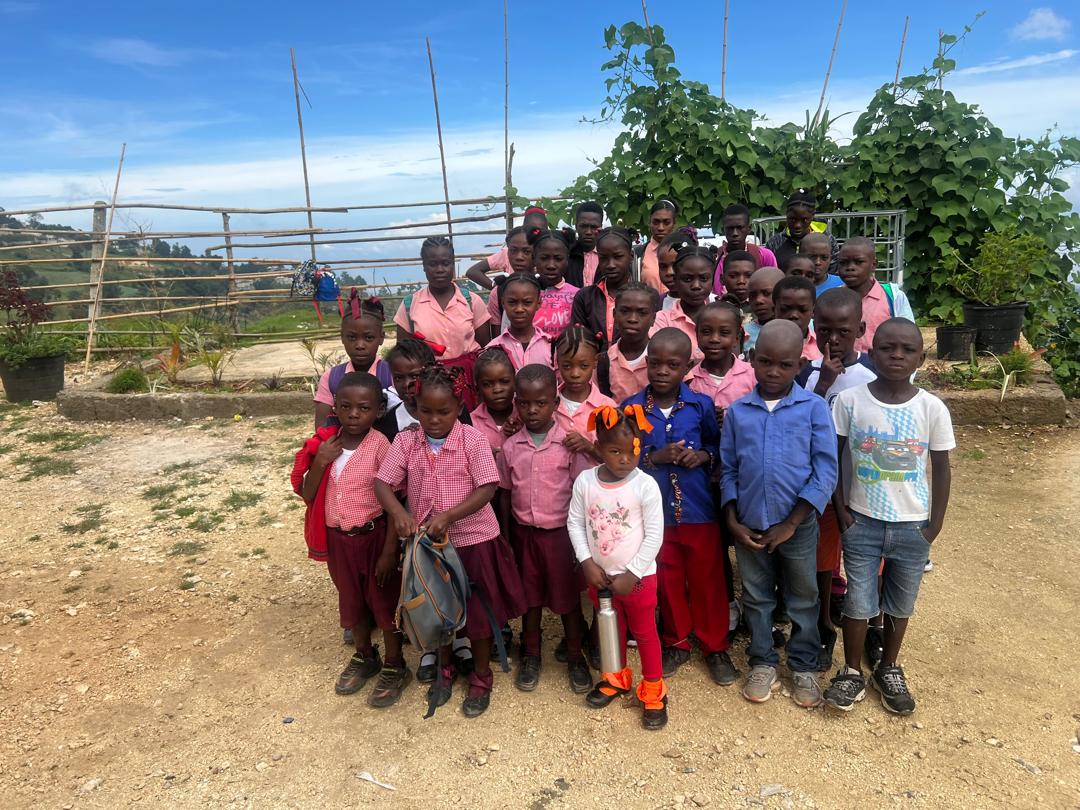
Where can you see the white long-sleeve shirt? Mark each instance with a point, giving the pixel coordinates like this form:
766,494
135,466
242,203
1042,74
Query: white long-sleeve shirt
620,526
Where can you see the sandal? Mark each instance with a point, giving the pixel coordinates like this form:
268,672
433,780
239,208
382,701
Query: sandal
613,685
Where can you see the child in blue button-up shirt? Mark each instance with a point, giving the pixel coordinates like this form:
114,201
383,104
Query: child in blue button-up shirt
679,454
778,472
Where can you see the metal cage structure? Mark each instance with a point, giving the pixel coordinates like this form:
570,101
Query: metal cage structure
885,228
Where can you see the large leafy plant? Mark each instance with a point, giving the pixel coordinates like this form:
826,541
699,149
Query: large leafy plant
21,338
1001,269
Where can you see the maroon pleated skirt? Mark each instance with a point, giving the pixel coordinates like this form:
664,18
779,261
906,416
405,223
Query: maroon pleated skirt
493,575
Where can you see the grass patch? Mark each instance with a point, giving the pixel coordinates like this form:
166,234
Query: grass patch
64,440
187,548
112,545
232,598
185,511
292,506
19,420
241,499
206,523
41,466
259,551
974,454
186,584
90,509
161,506
158,492
6,448
265,519
87,524
194,479
183,465
243,458
34,538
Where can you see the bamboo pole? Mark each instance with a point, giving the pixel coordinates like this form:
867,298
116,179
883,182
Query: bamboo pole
900,56
94,313
232,269
832,55
648,25
97,252
723,56
510,182
408,260
360,240
438,127
506,112
303,148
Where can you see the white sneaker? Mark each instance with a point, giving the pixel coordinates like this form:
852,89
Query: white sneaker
928,567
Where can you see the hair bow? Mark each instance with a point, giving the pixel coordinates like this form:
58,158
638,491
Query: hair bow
438,349
609,417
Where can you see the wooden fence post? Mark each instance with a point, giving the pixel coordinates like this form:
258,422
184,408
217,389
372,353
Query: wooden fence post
97,250
233,313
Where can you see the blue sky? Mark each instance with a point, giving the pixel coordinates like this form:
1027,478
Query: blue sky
202,95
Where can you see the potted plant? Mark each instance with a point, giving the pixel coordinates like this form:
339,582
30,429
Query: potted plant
31,360
993,285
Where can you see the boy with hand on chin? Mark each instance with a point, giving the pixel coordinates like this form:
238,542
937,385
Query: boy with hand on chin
778,472
888,510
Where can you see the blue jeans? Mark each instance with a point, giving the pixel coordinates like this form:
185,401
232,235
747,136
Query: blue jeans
904,550
798,578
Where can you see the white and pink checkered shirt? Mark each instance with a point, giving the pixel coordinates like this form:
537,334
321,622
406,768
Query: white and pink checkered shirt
436,482
350,497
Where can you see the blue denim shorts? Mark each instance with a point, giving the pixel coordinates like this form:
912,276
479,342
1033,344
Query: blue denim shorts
904,550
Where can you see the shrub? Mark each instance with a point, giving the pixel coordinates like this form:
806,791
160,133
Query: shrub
131,380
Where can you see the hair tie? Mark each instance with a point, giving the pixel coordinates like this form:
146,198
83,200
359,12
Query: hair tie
437,348
608,416
354,304
637,413
535,209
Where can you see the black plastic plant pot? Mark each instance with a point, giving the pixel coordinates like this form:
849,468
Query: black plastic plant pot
39,378
996,328
954,342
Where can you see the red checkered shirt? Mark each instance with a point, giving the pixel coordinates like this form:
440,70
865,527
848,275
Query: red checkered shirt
436,482
350,498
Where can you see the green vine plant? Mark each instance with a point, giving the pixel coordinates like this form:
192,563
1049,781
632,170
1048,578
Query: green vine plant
916,147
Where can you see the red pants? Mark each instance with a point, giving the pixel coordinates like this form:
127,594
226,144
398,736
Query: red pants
693,594
637,610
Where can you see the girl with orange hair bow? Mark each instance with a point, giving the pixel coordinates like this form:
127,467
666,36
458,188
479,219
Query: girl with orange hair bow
616,524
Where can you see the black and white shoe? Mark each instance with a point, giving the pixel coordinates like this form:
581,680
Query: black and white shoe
892,686
846,689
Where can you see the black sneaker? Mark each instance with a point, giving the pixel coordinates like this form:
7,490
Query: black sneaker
428,669
779,640
845,691
560,651
439,692
892,686
580,678
673,658
825,653
655,719
528,674
874,646
463,661
721,669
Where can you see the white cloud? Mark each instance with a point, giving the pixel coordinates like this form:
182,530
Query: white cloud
1001,65
1040,24
139,52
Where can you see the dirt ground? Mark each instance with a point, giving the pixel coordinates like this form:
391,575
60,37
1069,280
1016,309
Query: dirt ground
147,662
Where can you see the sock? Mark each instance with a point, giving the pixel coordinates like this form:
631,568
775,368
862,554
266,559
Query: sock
394,662
532,643
850,671
366,652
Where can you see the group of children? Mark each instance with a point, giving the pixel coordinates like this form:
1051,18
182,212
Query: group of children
623,433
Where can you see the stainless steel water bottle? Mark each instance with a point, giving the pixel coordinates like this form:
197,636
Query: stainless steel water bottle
607,628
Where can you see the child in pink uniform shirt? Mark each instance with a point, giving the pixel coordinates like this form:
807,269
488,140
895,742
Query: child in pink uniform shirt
661,224
522,341
793,300
858,261
721,375
692,283
361,336
551,255
623,370
538,472
576,353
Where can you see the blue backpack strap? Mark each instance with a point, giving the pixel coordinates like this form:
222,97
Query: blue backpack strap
496,631
336,374
890,294
382,372
407,303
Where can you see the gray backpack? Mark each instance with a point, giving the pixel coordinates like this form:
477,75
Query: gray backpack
434,593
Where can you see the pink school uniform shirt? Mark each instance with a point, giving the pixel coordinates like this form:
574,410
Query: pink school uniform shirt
485,423
650,268
677,318
350,495
499,261
590,261
322,393
555,305
538,350
578,422
540,479
875,311
435,482
453,327
738,382
626,377
810,349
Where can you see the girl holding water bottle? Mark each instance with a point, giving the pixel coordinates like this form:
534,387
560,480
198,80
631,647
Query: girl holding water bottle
616,524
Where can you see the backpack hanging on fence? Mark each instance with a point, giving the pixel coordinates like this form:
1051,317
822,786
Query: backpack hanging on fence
326,289
304,280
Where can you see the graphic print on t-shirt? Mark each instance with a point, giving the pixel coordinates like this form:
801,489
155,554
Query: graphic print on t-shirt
891,454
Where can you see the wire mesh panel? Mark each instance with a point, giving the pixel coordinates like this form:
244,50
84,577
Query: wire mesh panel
885,228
